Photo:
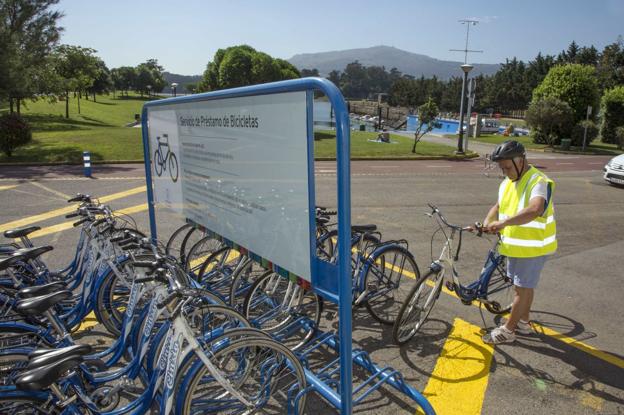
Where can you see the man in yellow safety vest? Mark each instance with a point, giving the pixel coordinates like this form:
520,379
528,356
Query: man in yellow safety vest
524,216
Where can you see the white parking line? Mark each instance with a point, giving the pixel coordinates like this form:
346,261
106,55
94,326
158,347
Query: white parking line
385,167
438,165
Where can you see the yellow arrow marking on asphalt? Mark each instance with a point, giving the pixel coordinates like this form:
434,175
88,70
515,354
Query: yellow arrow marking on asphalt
7,187
89,321
68,225
69,209
459,379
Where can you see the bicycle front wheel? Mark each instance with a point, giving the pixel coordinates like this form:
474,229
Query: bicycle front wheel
417,307
389,278
263,371
173,167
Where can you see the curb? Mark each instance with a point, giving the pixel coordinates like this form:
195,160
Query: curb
62,163
69,163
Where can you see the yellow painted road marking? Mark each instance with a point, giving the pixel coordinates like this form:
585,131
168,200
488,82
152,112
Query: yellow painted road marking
63,211
607,357
7,187
89,321
68,225
459,379
614,360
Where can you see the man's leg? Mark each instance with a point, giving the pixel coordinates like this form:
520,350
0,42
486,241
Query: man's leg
523,298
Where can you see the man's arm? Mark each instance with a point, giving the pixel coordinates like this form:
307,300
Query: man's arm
526,215
492,215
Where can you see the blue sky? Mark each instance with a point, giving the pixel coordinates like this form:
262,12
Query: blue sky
184,35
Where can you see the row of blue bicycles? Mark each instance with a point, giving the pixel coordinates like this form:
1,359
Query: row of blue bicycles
198,326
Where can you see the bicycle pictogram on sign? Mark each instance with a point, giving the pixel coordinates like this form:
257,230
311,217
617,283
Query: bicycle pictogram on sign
160,160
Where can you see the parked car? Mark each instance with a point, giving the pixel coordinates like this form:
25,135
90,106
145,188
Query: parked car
614,170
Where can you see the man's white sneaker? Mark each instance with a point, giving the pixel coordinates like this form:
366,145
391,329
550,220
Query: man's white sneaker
499,335
523,327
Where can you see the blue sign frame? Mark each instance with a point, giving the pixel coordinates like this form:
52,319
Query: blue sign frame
331,281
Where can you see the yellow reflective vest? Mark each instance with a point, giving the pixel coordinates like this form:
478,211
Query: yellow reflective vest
536,238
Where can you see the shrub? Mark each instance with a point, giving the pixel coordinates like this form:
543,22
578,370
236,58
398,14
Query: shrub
578,132
612,110
14,132
551,119
573,84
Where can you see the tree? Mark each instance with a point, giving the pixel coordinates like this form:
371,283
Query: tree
309,72
28,32
124,78
550,118
611,65
243,65
612,114
427,114
334,77
102,82
14,132
191,87
353,81
149,77
574,84
77,69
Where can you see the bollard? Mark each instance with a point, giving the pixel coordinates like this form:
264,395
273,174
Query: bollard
86,158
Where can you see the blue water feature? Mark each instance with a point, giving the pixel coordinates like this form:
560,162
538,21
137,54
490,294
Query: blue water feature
444,126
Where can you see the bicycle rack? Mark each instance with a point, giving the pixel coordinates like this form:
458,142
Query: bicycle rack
333,282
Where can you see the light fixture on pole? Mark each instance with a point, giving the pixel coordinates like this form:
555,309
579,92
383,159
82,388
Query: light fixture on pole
174,85
149,90
460,142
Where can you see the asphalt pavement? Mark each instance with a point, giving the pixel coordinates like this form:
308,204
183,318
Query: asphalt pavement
574,365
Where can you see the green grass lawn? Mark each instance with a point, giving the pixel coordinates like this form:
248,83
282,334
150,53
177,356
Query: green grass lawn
99,128
400,146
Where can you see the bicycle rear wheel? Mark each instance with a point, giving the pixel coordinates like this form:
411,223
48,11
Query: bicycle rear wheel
500,292
389,278
417,307
199,253
175,241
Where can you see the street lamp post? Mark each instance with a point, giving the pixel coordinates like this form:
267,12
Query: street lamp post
149,90
174,85
460,142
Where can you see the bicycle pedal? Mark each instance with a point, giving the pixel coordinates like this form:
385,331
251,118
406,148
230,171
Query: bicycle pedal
466,302
450,286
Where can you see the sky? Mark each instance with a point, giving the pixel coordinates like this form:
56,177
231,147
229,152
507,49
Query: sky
184,35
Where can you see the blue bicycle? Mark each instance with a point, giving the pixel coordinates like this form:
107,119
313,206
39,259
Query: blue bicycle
493,289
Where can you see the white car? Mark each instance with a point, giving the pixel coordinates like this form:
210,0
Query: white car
614,170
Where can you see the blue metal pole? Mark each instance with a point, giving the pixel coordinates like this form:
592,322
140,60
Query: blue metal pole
343,153
148,174
86,160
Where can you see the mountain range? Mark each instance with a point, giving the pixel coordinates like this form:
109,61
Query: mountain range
407,62
387,56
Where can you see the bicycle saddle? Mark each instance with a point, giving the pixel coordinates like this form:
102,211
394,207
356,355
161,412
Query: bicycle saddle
32,253
10,261
41,377
19,232
44,357
39,290
39,305
364,228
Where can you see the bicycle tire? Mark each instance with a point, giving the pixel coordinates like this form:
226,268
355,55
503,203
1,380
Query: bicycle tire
173,161
25,405
199,252
411,317
266,358
271,291
500,292
158,163
171,248
242,281
389,271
